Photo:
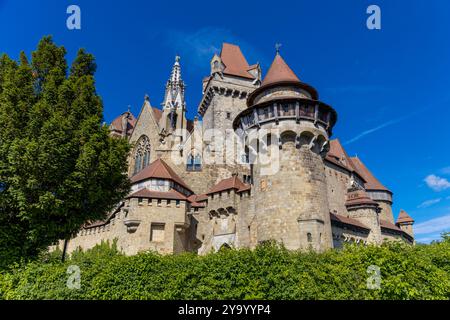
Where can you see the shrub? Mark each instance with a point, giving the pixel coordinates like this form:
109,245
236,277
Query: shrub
268,272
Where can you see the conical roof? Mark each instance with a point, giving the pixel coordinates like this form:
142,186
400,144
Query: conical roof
404,217
279,71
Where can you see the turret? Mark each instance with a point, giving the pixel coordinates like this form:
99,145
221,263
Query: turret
405,222
362,208
290,189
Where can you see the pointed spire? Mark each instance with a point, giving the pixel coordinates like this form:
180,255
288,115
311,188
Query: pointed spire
175,87
403,217
175,75
279,71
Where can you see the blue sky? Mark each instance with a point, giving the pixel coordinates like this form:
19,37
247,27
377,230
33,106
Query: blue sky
390,87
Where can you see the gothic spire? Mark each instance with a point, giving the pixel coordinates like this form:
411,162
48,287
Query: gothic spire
174,97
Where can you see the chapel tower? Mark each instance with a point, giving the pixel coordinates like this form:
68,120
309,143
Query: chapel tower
173,120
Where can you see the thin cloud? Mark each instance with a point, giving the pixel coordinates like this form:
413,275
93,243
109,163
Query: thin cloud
384,125
365,133
437,183
429,203
441,224
199,46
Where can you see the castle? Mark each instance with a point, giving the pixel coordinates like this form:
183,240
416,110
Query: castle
259,166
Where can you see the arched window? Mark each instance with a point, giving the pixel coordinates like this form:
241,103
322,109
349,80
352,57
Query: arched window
309,236
288,138
142,154
194,162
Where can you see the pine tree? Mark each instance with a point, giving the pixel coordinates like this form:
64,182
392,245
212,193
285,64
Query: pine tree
59,167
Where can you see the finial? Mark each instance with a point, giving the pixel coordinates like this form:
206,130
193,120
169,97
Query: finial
129,108
177,58
146,97
277,47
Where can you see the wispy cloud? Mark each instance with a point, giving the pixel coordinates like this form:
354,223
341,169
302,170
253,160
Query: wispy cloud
381,126
200,45
429,203
437,183
441,224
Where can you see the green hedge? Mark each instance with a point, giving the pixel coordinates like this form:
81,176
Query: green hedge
268,272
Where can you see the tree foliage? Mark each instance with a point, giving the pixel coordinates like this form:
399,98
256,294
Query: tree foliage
268,272
59,168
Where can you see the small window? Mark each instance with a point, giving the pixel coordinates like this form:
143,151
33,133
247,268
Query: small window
309,236
140,200
228,115
177,202
194,162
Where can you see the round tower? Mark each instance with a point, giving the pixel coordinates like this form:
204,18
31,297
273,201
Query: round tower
287,129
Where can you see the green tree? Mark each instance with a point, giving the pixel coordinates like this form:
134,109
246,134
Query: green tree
59,167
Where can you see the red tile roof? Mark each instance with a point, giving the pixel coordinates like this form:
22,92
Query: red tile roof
228,184
359,197
404,217
346,220
198,201
161,170
234,61
157,113
116,124
339,156
387,225
372,183
149,194
279,71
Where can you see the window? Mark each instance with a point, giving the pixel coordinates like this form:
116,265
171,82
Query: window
194,162
228,115
142,154
157,232
309,236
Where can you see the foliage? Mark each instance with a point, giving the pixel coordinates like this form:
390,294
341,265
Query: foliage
268,272
59,168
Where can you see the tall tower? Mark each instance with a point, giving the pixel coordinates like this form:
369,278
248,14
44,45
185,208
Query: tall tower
225,93
173,119
290,190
